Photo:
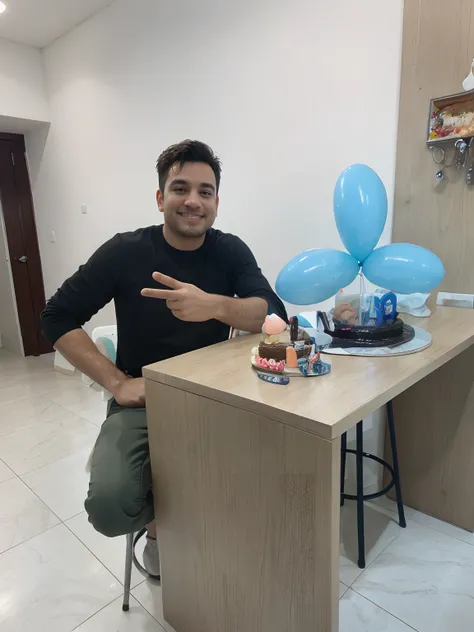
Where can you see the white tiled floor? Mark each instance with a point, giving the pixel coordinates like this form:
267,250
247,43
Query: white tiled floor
58,574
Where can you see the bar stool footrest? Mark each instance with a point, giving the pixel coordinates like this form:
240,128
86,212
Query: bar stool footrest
385,490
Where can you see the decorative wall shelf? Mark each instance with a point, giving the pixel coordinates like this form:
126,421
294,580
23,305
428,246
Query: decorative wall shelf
451,118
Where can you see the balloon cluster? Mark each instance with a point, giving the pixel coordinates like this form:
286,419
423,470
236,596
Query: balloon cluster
360,210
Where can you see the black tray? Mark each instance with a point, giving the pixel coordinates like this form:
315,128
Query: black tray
347,343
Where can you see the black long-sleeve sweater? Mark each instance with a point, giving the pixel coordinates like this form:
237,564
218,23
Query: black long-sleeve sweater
147,330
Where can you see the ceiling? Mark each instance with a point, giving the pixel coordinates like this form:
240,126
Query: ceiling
40,22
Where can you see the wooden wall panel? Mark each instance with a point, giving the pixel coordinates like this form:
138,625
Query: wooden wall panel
433,418
438,46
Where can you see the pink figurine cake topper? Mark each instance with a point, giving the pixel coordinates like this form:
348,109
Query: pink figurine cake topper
274,325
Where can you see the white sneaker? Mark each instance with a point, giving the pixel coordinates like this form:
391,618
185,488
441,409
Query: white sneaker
151,558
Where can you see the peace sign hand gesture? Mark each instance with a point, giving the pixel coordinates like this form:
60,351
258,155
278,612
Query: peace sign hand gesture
187,302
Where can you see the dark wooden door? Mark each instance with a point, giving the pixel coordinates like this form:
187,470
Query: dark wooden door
18,213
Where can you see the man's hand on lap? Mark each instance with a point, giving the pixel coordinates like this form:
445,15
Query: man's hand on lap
130,393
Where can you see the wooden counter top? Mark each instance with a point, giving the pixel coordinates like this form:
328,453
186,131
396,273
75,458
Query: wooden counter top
326,406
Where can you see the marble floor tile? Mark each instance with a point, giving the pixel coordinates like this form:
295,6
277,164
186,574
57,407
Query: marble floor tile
96,412
342,589
149,595
12,391
5,472
348,570
29,375
62,485
32,385
444,527
425,578
81,400
388,504
28,412
13,365
113,619
22,514
356,614
35,446
110,551
381,528
52,583
429,521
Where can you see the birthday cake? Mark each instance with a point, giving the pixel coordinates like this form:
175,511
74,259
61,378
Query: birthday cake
284,348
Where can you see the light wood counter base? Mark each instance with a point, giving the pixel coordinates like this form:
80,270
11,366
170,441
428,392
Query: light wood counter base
248,518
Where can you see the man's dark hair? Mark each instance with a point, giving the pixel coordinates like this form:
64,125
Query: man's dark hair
187,151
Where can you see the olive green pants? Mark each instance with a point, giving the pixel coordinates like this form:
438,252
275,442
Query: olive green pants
120,499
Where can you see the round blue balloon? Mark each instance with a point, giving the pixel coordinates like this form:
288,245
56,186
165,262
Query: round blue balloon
360,209
315,275
404,268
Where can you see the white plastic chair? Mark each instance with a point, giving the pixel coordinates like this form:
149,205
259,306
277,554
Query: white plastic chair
106,339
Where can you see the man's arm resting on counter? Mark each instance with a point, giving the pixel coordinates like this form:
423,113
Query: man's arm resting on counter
246,314
81,352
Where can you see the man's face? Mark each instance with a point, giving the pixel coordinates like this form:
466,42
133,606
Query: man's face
189,201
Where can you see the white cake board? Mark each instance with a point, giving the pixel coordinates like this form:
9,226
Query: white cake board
421,341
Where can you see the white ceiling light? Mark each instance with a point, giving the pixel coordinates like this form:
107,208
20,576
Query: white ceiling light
3,7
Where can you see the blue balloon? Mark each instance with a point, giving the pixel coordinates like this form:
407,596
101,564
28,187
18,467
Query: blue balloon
315,275
404,268
360,209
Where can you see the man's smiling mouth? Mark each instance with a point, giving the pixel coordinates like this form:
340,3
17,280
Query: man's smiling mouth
190,215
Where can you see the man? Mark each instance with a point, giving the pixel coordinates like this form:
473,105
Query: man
195,273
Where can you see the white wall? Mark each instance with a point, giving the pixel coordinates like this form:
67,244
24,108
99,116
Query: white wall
288,93
22,89
10,335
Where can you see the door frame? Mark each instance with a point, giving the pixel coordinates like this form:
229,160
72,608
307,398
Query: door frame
17,200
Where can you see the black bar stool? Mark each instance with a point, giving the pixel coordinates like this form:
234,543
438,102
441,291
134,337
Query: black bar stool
360,497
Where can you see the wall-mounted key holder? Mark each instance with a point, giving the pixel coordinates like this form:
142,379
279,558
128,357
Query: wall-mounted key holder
439,158
459,158
461,147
